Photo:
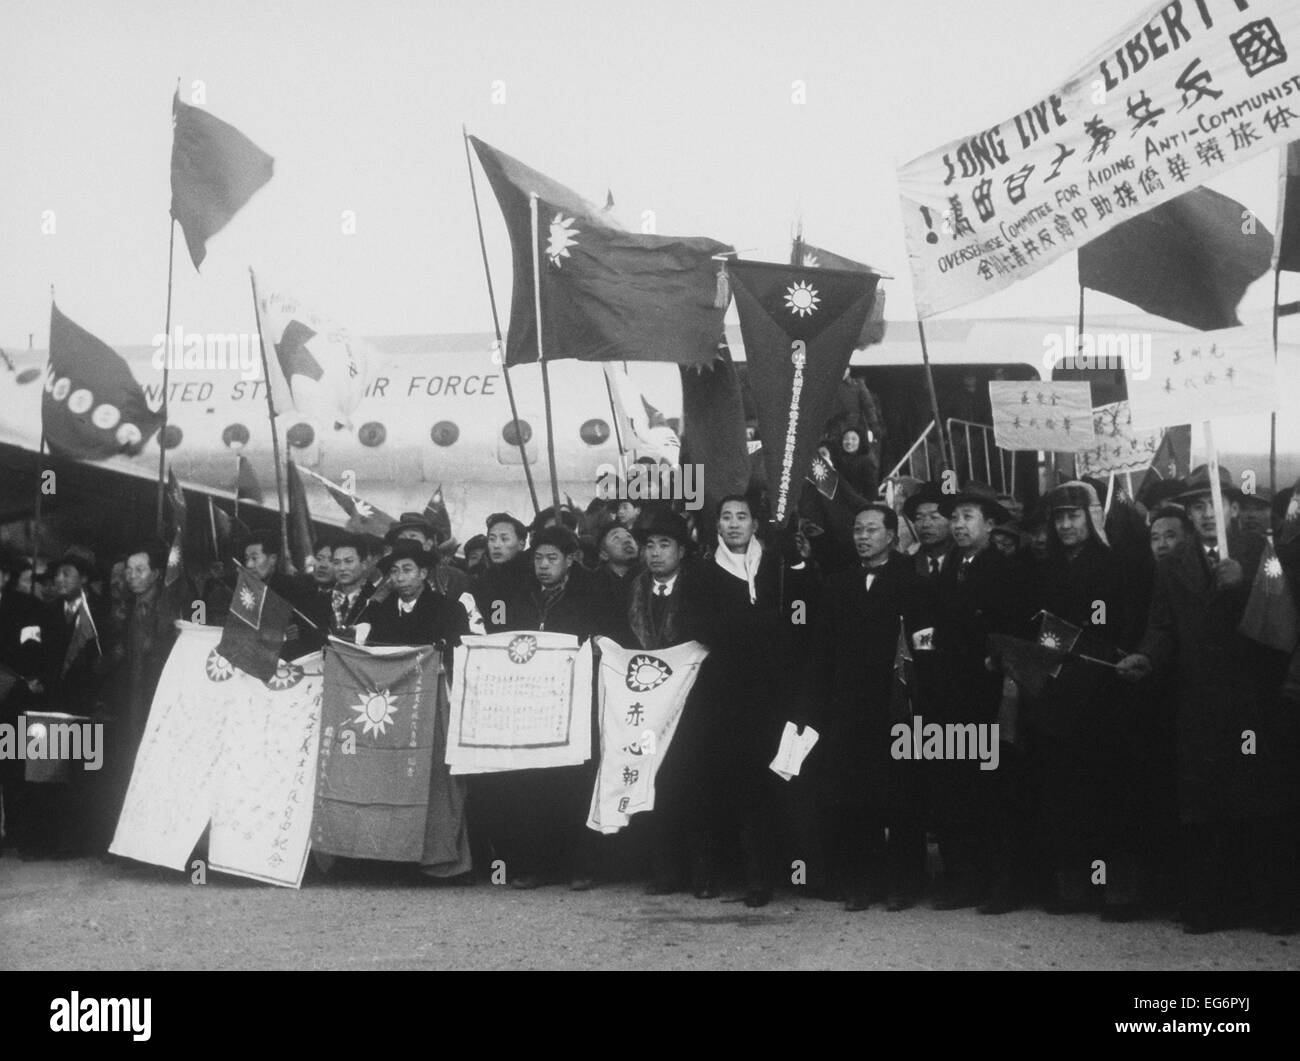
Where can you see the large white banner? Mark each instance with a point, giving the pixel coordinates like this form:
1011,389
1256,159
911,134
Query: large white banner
1186,92
1205,376
641,699
1050,416
519,701
222,747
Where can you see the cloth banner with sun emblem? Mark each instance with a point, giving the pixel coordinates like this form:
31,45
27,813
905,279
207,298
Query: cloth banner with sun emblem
520,701
800,326
383,791
222,747
1270,616
607,294
255,625
641,699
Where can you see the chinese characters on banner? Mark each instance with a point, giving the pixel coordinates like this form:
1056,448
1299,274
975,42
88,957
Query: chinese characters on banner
1206,376
1042,415
1119,447
520,701
222,746
641,699
1177,98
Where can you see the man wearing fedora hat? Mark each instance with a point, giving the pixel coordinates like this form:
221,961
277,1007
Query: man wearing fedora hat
447,579
979,593
414,613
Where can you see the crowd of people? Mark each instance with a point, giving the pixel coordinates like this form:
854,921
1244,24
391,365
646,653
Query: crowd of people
1153,769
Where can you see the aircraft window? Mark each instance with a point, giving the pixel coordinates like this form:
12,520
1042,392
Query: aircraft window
444,433
594,432
301,435
235,435
28,374
372,434
512,436
171,437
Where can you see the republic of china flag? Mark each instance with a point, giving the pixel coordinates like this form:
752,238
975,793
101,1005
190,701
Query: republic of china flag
1270,617
254,631
800,327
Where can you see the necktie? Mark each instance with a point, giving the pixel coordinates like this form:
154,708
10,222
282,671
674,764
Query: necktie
1212,554
934,565
661,589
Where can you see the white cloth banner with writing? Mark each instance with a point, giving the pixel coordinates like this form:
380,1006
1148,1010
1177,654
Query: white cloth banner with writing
642,694
519,701
1042,415
222,747
1206,376
1181,95
261,821
1120,447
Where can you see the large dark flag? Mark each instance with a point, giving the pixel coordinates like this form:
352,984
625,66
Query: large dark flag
606,294
215,171
1187,260
1270,617
92,407
713,426
363,517
1288,210
254,631
800,327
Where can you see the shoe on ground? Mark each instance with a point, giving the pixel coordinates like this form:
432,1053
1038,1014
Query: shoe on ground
707,890
582,884
857,901
756,897
525,882
900,901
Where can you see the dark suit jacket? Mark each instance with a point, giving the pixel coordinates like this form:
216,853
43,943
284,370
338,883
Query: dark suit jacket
434,619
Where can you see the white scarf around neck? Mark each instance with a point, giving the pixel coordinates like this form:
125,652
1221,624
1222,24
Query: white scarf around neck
742,565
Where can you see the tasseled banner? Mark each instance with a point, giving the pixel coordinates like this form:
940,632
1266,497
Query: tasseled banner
722,294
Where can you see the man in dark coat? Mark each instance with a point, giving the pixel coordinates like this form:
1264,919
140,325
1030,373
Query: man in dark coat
758,601
924,509
351,591
308,629
1088,747
20,670
1233,757
978,594
508,572
864,790
414,613
536,819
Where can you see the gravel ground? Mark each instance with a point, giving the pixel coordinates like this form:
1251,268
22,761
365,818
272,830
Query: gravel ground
93,914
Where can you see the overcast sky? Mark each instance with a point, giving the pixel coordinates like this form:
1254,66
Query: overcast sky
683,107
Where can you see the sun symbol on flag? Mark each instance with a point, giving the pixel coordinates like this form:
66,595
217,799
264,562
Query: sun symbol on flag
247,599
218,667
374,711
1273,567
1049,641
522,648
286,676
810,260
801,298
561,239
819,470
364,509
647,672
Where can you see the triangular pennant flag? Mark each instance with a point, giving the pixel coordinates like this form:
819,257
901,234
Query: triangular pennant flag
363,517
247,487
799,327
824,476
606,294
255,625
215,171
92,407
1287,247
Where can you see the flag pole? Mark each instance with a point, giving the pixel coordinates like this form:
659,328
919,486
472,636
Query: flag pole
945,456
618,432
212,526
496,324
541,356
1272,417
1216,491
36,516
275,436
167,348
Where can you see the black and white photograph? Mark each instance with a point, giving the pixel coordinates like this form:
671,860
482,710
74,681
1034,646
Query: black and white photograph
697,486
